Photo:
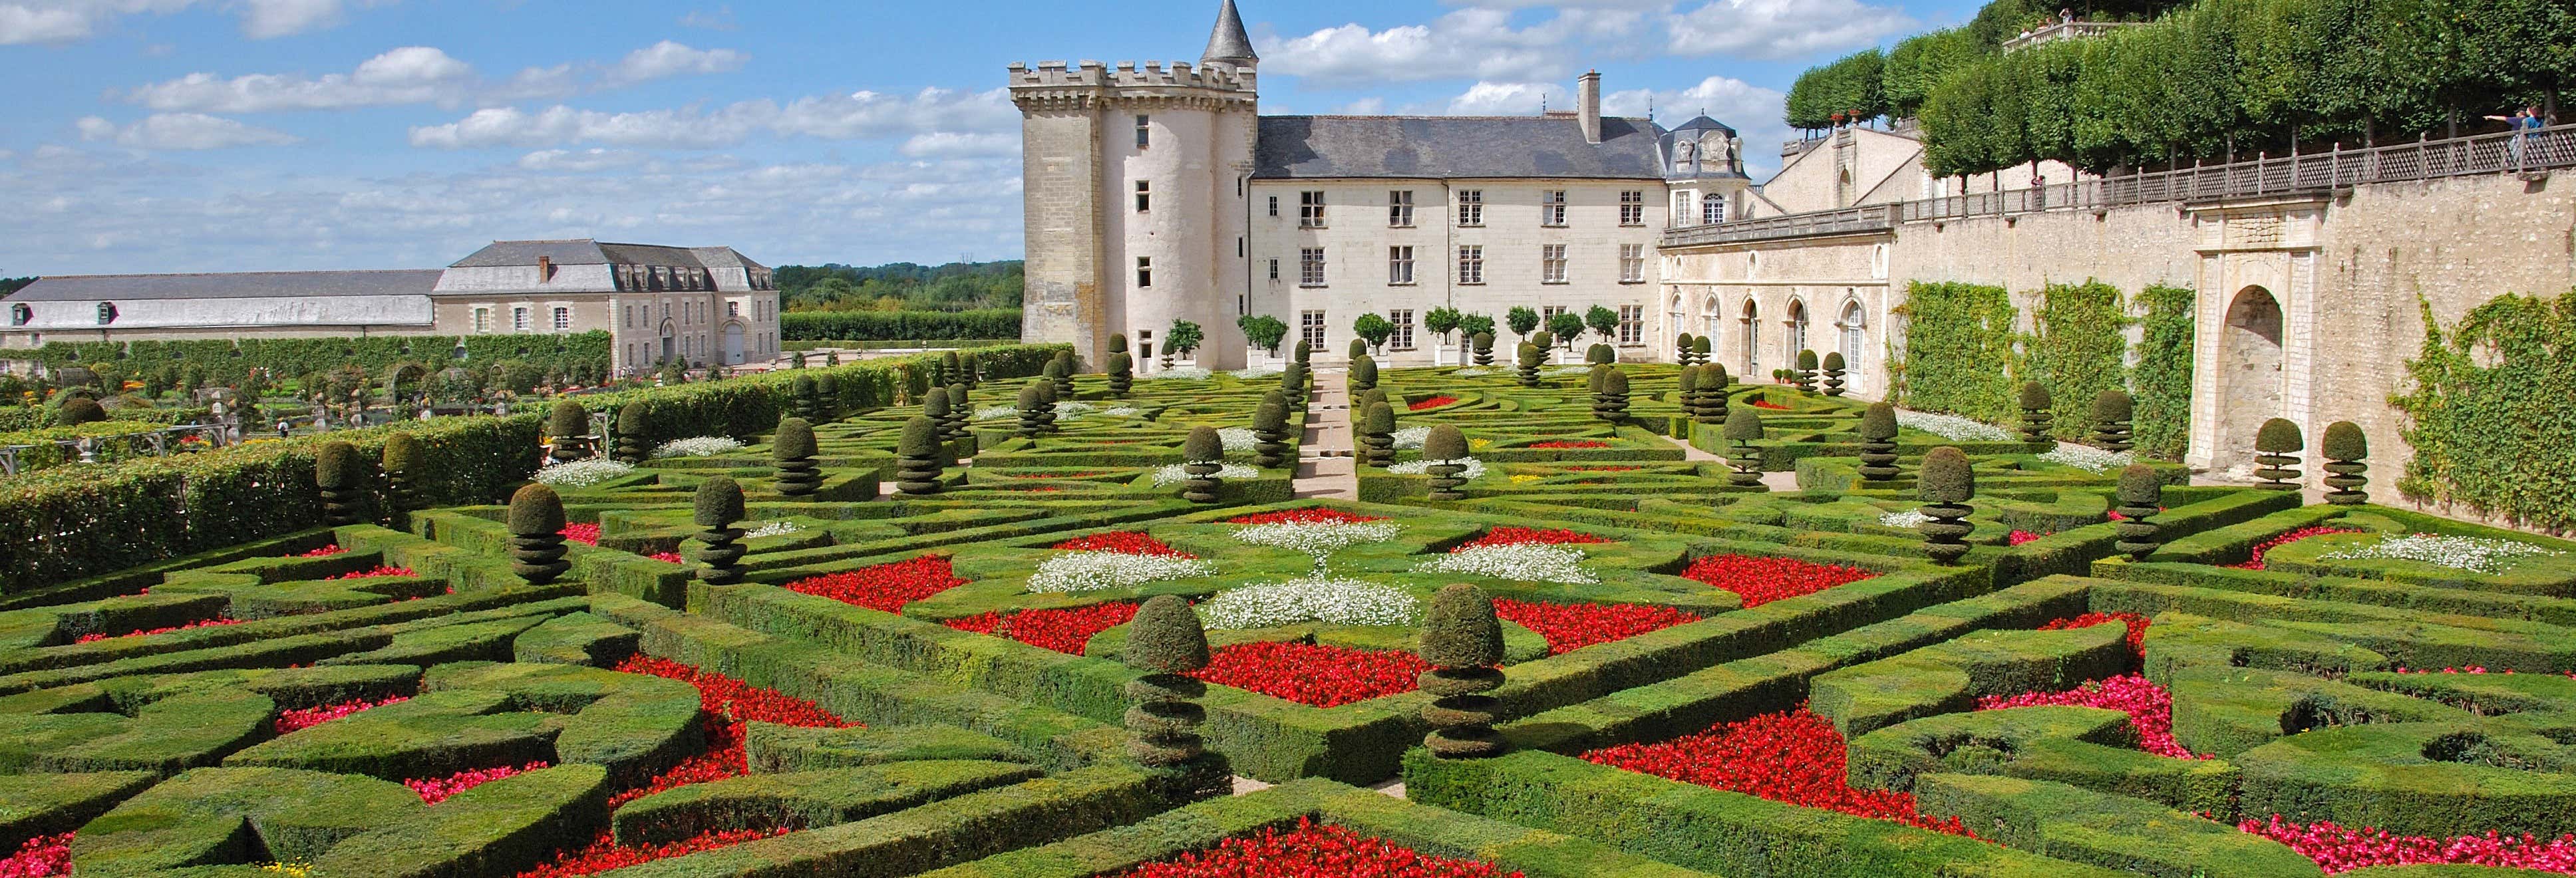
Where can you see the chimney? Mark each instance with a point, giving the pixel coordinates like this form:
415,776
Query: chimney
1587,104
545,269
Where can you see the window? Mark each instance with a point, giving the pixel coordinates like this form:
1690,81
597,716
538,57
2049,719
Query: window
1632,324
1712,209
106,313
1274,205
1144,271
1402,338
1471,264
1274,271
1310,329
733,309
1682,206
1310,267
1471,207
1551,209
482,320
563,319
1310,209
1399,265
1632,263
519,319
1399,209
1547,313
20,315
1632,208
1144,131
1551,263
1144,196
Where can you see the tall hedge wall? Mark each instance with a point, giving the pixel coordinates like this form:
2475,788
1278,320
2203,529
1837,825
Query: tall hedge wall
227,360
899,325
2162,377
2078,350
1958,355
2488,414
1962,355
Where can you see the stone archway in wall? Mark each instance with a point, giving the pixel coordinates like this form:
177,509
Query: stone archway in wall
2249,378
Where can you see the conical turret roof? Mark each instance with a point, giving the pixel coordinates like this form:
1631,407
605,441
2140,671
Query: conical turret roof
1229,43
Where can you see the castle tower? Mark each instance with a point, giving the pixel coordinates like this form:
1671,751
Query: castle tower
1134,182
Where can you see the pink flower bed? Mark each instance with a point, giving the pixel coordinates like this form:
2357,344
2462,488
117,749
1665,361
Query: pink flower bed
301,718
39,857
2338,849
209,623
436,790
585,534
2266,546
2149,706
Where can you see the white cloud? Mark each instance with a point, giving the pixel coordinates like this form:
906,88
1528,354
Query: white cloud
1477,42
23,24
721,19
1774,29
181,131
859,115
1504,99
580,161
953,143
60,21
419,75
1753,111
667,58
265,19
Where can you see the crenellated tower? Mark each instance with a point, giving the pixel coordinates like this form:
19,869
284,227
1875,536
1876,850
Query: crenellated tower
1135,179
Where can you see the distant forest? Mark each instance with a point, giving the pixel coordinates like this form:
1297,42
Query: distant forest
902,286
13,284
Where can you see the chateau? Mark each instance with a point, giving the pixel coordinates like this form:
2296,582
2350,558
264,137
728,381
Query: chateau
698,305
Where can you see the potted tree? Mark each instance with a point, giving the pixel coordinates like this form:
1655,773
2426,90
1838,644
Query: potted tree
1183,339
1373,329
1263,332
1442,321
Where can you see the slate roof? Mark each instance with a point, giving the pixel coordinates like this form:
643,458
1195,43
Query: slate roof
243,285
584,251
1704,123
1228,42
1457,147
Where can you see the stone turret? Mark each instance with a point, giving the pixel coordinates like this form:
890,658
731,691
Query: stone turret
1229,44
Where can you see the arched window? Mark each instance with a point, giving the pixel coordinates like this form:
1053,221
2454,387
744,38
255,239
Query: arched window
1855,328
1797,329
1752,340
1712,208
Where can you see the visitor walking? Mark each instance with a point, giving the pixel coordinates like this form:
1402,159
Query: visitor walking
2523,122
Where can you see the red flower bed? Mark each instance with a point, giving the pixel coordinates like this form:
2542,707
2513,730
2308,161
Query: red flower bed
2021,536
1767,404
1312,673
1051,475
301,718
1065,630
1763,580
2137,627
380,570
94,638
2149,706
1125,542
1569,627
585,534
886,586
1554,444
1312,851
1605,469
39,857
2266,546
1513,536
324,552
1310,515
1432,403
1794,757
604,854
437,789
1039,489
2337,849
668,557
729,703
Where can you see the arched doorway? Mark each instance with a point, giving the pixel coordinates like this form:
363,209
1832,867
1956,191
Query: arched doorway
1752,341
733,344
670,343
1855,328
1797,329
2249,374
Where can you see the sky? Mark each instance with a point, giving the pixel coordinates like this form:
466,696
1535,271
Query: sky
244,135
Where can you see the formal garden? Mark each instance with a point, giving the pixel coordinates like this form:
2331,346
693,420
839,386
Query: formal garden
984,616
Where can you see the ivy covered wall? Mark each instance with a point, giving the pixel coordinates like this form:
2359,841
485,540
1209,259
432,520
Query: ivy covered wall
1963,354
2489,414
1958,355
2161,380
2078,349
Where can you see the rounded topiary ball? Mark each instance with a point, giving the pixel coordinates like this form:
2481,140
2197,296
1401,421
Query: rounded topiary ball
1305,352
2139,486
1743,424
2113,406
536,510
1166,637
634,419
794,441
405,455
1689,382
567,418
1807,361
1879,422
1834,362
335,466
2345,441
718,502
1118,342
1364,371
1271,416
920,437
2278,436
77,410
1945,477
1033,396
1461,631
1445,442
2035,397
1203,446
1615,383
1713,377
1358,348
1379,418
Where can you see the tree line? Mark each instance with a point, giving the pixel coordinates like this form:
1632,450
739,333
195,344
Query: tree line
901,286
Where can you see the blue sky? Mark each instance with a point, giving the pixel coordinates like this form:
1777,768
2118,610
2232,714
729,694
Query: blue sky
228,135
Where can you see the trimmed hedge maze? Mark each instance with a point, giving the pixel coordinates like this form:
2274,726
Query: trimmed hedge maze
1077,625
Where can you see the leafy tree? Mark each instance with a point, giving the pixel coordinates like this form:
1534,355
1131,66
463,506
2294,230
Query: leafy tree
1919,63
1602,320
1522,320
1264,331
1566,325
1183,337
1373,328
1442,320
1852,87
1476,324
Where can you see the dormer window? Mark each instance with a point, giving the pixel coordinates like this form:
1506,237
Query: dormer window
21,315
106,313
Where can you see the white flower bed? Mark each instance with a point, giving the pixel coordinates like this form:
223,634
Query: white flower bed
1412,437
1473,372
1954,428
1122,411
1180,373
2088,458
1320,539
582,473
1093,571
2477,554
1524,562
997,412
1333,601
1238,438
1475,468
1256,373
1907,520
774,529
1567,371
1172,474
699,446
1070,410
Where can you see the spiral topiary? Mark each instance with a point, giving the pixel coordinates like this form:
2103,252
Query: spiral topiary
2036,414
1806,371
1699,350
970,369
1483,345
917,467
1377,435
1122,374
1600,353
536,534
1445,444
960,416
1610,399
718,505
568,424
343,483
2346,449
2141,497
1363,374
1743,428
1530,357
1059,378
2276,447
1462,641
1305,352
1834,368
1682,348
406,466
634,433
934,405
2112,411
1202,455
1878,442
74,411
803,395
1710,406
1167,642
1292,383
1945,486
1033,415
791,451
827,399
1270,431
1545,340
955,367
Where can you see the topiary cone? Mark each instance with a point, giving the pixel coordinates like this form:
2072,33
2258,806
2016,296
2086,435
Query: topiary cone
2276,447
960,417
1032,406
1743,428
2112,411
342,482
1610,396
1834,367
1166,641
1270,431
2037,414
1529,361
406,465
2346,450
1363,373
1377,434
568,423
1202,455
917,468
716,507
1483,345
1945,485
1445,443
536,534
634,433
1806,372
1122,374
1878,442
2141,497
792,450
1463,642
